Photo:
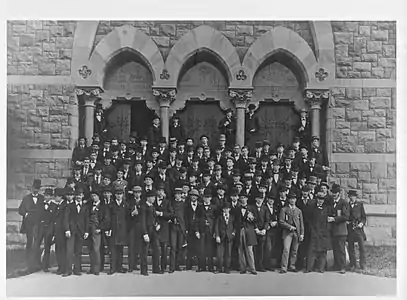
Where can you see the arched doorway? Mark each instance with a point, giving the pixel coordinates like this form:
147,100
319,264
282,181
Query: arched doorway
128,82
202,95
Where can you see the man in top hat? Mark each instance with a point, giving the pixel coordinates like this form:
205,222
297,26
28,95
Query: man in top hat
222,142
80,152
227,126
320,155
356,223
192,225
292,223
224,235
252,123
134,225
162,149
318,235
46,226
258,150
100,122
173,143
30,209
304,127
271,226
280,152
338,218
154,133
260,214
176,128
61,200
76,225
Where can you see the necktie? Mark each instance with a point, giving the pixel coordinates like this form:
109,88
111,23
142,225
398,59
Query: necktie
46,206
35,199
78,207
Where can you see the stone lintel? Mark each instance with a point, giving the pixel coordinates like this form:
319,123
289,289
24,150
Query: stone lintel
363,157
41,154
380,209
38,79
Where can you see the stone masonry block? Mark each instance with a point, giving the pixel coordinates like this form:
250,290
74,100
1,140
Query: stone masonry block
384,92
358,126
391,145
364,30
374,47
380,35
339,113
354,93
349,183
353,116
167,29
338,91
383,134
380,113
371,57
363,177
391,197
343,37
360,104
366,136
389,51
378,198
387,62
376,122
375,147
365,167
387,184
342,168
378,72
244,29
370,188
362,66
342,125
379,170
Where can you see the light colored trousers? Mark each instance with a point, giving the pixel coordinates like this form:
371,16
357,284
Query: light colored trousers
246,256
290,249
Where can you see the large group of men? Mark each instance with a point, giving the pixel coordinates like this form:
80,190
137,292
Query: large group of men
207,205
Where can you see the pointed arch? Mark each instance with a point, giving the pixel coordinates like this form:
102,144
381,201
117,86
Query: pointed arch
281,39
202,37
125,38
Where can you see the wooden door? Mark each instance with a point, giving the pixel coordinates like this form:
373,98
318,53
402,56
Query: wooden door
141,118
200,118
118,120
277,123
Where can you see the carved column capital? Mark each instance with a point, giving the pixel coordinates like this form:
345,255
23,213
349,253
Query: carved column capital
314,98
88,94
240,97
165,96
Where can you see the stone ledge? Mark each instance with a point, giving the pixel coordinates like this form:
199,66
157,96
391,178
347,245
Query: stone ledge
380,210
38,79
37,153
362,157
358,82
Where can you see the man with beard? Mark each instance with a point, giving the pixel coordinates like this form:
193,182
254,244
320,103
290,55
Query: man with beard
227,126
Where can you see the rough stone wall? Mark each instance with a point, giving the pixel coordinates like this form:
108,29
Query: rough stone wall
240,33
365,49
39,47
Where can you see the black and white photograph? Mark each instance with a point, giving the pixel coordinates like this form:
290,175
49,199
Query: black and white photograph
197,157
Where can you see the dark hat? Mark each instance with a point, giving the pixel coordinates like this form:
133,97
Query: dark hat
106,188
170,150
69,191
49,192
156,117
118,190
305,189
222,137
234,192
312,179
283,189
183,170
303,146
251,106
238,183
280,145
108,155
263,184
193,192
195,159
248,176
160,186
264,158
217,167
243,194
178,190
266,142
291,148
137,188
295,169
303,110
204,135
79,190
288,177
292,195
236,172
162,140
133,134
211,159
148,176
175,117
296,139
77,168
258,144
138,162
179,157
228,150
222,186
181,142
154,149
229,110
315,137
325,184
352,193
257,173
162,165
252,160
126,160
320,195
60,192
173,139
36,184
190,149
133,147
207,193
194,173
143,138
95,191
206,173
151,193
107,175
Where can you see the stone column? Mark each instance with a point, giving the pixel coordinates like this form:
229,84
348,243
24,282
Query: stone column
240,97
165,97
314,99
87,97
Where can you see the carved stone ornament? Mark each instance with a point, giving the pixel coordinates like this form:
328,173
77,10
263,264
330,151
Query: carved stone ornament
241,75
321,74
165,75
84,72
315,97
89,91
165,95
241,97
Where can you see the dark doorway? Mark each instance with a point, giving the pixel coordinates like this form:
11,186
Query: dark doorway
141,117
200,118
277,123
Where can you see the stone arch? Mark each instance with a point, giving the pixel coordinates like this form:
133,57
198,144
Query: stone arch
281,39
125,38
202,37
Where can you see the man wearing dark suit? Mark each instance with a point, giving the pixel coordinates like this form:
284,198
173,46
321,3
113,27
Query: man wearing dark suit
76,224
80,152
320,155
60,239
224,235
128,174
134,227
277,178
251,123
154,133
46,226
292,222
206,217
245,224
271,226
138,178
164,213
260,214
192,225
119,213
149,228
30,210
227,126
177,231
234,210
304,127
99,223
163,179
339,231
356,223
162,149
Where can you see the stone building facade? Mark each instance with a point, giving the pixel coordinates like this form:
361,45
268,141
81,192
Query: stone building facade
344,73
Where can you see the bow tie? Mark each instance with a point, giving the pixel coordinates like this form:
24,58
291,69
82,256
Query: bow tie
244,207
78,204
